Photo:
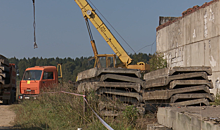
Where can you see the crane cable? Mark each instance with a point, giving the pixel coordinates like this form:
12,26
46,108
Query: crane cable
148,46
34,25
112,27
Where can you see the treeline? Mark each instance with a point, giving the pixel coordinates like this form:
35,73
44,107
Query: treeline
70,67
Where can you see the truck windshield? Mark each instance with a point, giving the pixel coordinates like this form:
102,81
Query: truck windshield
32,75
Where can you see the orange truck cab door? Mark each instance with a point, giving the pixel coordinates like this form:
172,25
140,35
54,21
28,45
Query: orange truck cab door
49,79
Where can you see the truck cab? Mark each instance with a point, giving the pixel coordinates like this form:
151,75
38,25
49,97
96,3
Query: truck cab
37,78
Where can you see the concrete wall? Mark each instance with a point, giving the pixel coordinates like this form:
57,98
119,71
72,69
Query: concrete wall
193,40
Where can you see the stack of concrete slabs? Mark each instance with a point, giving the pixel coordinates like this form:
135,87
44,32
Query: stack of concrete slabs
179,86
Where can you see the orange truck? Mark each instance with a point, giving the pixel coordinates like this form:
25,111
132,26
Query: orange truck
38,78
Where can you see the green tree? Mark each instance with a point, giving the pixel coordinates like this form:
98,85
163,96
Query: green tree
157,61
13,60
22,65
71,67
68,71
32,61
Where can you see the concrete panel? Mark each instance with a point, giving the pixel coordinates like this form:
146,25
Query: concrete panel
187,29
214,53
193,30
195,57
157,127
187,56
4,62
121,78
126,94
174,35
162,40
201,58
166,94
189,118
157,74
207,52
181,40
217,14
197,26
163,81
184,83
197,54
192,102
192,96
93,86
165,72
95,72
4,68
212,19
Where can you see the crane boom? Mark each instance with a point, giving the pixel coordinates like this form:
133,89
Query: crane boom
89,12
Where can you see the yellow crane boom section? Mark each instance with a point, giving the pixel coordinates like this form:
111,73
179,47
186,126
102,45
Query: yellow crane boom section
89,12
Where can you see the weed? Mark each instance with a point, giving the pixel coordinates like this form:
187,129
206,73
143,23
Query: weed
130,115
217,100
65,111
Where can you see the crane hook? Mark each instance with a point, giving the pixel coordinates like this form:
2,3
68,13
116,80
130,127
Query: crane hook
34,25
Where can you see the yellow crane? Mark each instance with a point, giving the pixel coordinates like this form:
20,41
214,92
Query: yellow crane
89,13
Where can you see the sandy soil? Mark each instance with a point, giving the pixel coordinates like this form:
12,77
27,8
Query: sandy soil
7,116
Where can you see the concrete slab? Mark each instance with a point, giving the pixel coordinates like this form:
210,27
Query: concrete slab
120,93
2,81
125,85
87,74
184,83
192,96
93,86
189,118
121,78
156,74
193,75
95,72
4,75
166,94
4,68
191,102
4,62
176,70
157,127
163,81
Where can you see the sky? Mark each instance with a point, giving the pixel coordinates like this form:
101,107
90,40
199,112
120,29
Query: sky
61,30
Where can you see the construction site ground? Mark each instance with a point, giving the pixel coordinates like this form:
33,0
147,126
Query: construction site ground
7,116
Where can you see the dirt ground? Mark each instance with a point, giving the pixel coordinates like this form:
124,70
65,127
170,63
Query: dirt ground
7,116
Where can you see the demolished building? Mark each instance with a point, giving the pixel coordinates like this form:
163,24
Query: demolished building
193,39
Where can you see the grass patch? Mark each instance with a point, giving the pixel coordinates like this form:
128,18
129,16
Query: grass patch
64,111
217,100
